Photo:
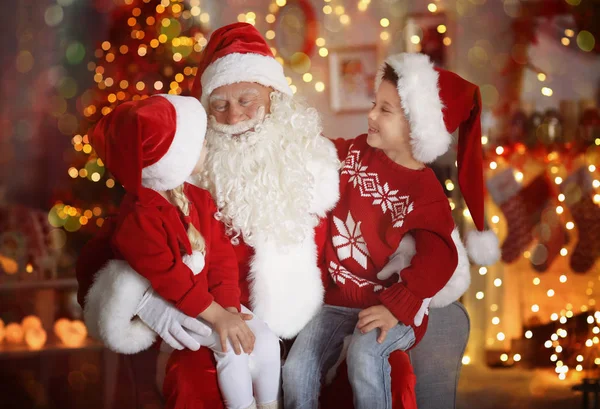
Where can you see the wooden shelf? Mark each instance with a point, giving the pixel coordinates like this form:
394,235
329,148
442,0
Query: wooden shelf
59,283
11,351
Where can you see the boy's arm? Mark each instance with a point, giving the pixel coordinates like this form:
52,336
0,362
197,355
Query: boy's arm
432,266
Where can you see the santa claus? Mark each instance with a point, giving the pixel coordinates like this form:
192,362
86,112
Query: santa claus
273,177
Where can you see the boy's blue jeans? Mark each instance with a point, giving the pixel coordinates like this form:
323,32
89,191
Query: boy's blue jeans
318,347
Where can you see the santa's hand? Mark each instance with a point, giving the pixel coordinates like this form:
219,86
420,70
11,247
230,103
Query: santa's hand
400,259
169,323
424,310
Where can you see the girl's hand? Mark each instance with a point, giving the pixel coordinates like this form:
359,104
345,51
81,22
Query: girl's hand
232,326
243,315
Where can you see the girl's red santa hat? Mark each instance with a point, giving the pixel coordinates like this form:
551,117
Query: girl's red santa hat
437,102
153,142
237,53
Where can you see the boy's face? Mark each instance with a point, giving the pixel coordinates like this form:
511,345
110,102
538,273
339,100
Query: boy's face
389,129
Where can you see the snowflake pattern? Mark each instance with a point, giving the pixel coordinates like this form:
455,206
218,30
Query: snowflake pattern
369,186
339,275
354,169
350,242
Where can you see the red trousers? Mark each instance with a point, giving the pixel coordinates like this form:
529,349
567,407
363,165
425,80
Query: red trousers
191,383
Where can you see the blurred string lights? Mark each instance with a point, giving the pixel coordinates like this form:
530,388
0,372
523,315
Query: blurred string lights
557,163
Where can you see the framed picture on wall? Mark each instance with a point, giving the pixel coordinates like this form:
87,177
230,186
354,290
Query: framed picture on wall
352,72
427,34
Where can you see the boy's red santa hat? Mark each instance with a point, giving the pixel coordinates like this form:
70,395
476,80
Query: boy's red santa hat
436,103
237,53
153,143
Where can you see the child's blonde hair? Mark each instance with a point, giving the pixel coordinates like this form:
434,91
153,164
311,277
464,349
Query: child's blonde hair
182,202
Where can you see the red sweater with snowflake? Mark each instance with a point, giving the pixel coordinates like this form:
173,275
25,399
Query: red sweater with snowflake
381,201
151,235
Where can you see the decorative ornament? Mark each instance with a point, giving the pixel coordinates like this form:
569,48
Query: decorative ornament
533,123
518,127
578,191
551,238
60,326
35,338
8,265
589,123
14,333
30,321
550,132
71,333
296,28
522,207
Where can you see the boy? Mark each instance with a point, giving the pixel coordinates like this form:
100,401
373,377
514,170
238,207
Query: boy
386,193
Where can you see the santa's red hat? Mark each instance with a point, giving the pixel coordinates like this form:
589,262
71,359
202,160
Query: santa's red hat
237,53
154,142
437,102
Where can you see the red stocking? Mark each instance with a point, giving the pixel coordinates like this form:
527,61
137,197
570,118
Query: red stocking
522,208
586,214
551,236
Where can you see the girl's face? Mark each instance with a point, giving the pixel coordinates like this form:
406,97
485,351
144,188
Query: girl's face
389,129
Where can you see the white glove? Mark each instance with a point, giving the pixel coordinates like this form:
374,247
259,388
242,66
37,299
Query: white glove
400,259
169,323
423,311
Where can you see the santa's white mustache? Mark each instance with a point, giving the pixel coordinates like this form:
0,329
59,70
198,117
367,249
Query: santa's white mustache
240,127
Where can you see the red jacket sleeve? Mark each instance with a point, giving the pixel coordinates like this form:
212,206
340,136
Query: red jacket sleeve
432,266
223,274
142,240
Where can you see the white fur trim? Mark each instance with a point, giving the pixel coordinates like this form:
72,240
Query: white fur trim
183,154
326,174
194,261
420,97
483,247
460,280
237,67
286,289
110,307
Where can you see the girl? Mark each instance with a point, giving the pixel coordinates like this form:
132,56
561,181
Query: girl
166,231
385,183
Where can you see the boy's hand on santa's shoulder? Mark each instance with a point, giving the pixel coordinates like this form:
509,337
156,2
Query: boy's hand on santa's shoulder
377,316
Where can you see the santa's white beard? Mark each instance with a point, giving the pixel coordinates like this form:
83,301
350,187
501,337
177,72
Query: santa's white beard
259,179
